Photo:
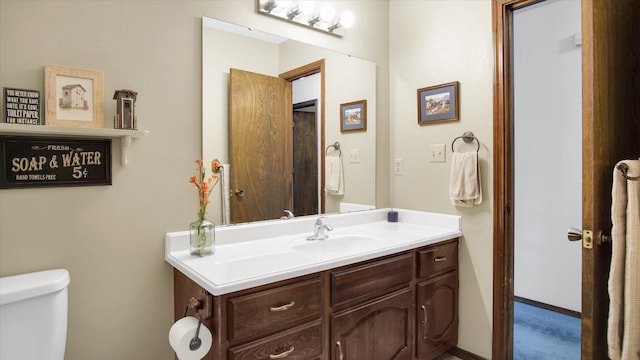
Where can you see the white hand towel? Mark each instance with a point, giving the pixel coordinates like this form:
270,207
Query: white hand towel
464,183
334,180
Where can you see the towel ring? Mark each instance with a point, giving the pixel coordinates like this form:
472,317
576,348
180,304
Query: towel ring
468,137
624,169
336,146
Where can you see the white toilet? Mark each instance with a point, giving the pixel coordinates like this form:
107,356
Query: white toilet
33,315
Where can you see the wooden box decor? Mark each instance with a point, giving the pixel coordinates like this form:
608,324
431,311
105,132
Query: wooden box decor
125,117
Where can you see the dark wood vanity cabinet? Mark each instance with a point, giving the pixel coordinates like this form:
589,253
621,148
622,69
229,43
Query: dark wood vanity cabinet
437,300
402,306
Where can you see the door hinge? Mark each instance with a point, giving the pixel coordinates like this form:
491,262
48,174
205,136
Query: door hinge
587,239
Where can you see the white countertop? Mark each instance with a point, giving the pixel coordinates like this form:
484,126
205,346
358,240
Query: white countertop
254,254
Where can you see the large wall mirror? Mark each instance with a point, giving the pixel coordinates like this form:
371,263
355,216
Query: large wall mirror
271,110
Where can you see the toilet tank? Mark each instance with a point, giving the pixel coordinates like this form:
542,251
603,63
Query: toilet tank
33,315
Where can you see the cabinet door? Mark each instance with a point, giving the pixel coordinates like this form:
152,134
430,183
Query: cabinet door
377,330
437,315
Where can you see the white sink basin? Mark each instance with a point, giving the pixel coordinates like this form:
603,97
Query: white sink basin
335,243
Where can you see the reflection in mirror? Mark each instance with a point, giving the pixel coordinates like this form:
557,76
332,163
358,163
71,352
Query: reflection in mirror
277,182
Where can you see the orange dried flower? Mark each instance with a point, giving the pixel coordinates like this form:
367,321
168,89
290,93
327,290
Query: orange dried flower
204,185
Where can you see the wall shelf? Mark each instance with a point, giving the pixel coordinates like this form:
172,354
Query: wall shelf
124,135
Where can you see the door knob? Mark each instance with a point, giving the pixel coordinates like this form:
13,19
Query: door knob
574,234
239,192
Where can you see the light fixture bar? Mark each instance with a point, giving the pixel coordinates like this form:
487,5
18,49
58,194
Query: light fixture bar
292,11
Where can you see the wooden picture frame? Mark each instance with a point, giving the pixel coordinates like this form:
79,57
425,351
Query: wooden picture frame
438,103
73,97
353,116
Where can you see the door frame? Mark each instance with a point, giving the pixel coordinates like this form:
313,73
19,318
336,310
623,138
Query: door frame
503,160
295,74
503,227
609,134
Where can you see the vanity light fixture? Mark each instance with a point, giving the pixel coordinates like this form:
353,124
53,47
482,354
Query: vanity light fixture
308,13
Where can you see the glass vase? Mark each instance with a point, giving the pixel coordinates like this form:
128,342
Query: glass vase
203,237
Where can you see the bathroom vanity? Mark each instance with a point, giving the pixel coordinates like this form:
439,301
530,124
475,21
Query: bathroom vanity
372,290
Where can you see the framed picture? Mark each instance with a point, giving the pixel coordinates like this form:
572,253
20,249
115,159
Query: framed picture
73,97
21,106
353,116
438,103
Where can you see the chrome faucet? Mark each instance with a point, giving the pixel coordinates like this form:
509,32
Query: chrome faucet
287,215
320,230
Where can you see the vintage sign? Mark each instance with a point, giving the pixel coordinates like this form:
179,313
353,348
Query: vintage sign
21,106
43,161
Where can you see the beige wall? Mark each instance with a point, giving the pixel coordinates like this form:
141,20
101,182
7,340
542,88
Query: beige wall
111,237
436,42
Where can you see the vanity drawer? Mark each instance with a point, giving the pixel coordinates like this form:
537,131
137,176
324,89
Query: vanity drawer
274,309
300,343
364,282
437,259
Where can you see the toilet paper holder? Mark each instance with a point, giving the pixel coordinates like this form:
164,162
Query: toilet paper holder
202,312
200,307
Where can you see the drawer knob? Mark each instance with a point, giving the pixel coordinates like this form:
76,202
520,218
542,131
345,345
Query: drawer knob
440,259
284,307
283,354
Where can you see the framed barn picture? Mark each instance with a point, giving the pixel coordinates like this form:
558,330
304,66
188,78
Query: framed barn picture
438,103
353,116
73,97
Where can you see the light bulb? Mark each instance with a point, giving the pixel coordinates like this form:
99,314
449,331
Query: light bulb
347,20
327,12
305,6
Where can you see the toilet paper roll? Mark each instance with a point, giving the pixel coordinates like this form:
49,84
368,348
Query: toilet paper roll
180,337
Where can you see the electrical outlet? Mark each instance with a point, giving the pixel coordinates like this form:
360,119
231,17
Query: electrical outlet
437,153
397,167
354,156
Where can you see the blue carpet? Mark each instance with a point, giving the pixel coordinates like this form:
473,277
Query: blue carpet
540,334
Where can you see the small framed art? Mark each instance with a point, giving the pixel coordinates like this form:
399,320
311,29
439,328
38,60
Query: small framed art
353,116
73,97
438,103
21,106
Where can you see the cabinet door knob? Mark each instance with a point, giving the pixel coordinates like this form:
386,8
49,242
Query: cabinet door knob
283,307
340,356
283,354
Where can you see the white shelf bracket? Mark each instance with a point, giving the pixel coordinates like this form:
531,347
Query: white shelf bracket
125,141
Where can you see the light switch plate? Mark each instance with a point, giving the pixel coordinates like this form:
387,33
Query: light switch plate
437,153
354,156
397,166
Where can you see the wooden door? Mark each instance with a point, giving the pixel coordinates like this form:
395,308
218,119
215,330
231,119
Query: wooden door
305,163
378,330
437,315
611,129
259,146
611,132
